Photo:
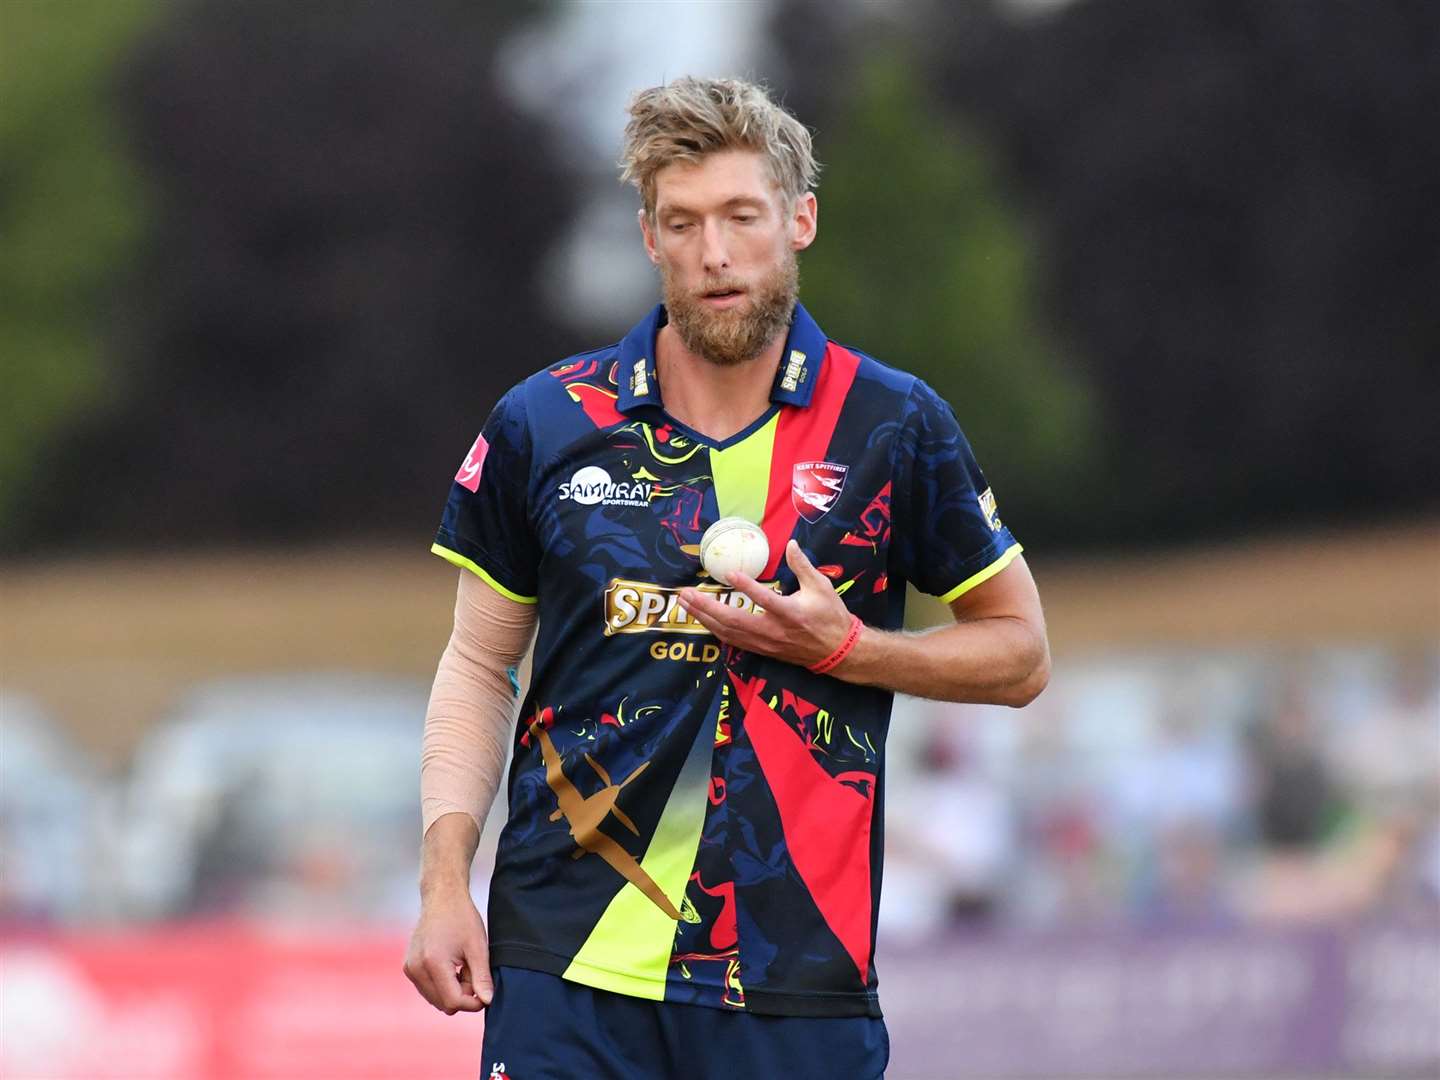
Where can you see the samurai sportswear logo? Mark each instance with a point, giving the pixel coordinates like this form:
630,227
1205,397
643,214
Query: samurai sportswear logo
592,485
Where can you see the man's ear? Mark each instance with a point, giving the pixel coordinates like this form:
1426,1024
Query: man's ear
649,235
804,222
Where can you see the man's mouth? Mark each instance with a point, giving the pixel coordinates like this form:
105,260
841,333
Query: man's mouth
721,298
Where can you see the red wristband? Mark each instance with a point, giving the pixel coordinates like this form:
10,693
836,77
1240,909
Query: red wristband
844,650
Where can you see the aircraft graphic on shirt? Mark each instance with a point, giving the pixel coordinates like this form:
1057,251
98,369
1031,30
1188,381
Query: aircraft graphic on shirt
585,814
817,499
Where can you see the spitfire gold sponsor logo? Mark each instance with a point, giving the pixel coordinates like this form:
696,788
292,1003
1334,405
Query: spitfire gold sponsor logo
987,507
692,652
794,371
635,607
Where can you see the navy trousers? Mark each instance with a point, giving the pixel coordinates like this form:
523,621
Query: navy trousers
543,1027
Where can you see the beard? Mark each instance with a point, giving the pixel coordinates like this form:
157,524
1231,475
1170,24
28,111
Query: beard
730,337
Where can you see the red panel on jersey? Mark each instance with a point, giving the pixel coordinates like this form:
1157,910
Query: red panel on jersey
803,435
826,825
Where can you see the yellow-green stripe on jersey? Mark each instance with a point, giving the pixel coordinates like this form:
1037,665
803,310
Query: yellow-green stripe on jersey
456,559
1006,558
629,950
741,473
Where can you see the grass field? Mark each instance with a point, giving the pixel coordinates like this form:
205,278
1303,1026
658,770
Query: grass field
107,644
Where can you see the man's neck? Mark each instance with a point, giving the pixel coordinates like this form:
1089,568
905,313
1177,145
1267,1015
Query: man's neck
715,400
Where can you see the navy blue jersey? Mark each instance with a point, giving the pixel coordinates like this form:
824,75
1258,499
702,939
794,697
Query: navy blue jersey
687,821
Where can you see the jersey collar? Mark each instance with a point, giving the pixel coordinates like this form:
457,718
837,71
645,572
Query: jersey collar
795,378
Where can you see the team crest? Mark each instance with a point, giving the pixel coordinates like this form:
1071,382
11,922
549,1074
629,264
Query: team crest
469,474
815,486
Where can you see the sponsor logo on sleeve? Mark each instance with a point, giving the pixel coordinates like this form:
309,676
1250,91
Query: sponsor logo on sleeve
987,507
469,474
815,486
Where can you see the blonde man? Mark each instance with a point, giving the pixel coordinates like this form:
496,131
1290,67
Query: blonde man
689,877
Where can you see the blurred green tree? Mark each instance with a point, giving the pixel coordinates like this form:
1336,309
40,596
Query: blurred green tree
338,280
1239,244
920,261
72,208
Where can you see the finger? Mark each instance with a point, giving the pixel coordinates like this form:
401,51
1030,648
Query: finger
741,630
447,986
704,607
469,999
804,570
475,977
716,618
430,987
420,976
760,596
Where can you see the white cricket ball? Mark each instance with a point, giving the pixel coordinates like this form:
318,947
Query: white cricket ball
732,544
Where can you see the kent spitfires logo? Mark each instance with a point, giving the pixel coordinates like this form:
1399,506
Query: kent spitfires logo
815,486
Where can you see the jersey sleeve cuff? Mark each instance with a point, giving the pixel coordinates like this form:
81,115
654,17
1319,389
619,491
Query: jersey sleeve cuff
466,563
1005,559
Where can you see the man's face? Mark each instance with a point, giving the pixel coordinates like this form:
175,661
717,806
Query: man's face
725,238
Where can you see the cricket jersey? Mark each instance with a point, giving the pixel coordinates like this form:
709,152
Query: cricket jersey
687,821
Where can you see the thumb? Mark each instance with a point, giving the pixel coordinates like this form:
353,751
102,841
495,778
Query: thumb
475,978
804,570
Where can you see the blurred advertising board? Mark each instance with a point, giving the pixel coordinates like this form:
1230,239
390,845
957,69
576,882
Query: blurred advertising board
225,1002
1359,1001
222,1002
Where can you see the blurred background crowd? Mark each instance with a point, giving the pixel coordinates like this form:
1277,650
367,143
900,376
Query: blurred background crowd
265,267
1160,789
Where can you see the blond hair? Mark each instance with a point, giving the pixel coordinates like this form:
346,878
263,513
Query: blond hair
686,119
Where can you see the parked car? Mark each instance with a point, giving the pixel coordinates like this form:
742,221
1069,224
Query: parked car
52,805
279,797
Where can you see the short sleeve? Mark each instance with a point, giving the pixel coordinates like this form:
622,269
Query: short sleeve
949,537
485,527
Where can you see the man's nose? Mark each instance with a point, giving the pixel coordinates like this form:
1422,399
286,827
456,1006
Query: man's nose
715,254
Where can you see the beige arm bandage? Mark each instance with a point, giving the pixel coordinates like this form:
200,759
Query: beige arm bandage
472,704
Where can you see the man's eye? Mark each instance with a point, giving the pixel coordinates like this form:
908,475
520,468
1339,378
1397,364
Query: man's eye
679,226
744,219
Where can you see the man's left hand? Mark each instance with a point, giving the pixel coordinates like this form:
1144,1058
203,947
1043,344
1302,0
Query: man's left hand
802,628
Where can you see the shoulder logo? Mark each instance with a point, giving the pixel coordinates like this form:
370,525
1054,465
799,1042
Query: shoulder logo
469,474
592,484
815,485
987,507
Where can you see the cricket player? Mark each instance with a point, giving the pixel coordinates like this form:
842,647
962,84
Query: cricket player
689,877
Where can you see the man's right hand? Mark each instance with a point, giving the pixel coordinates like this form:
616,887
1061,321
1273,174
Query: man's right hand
449,955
